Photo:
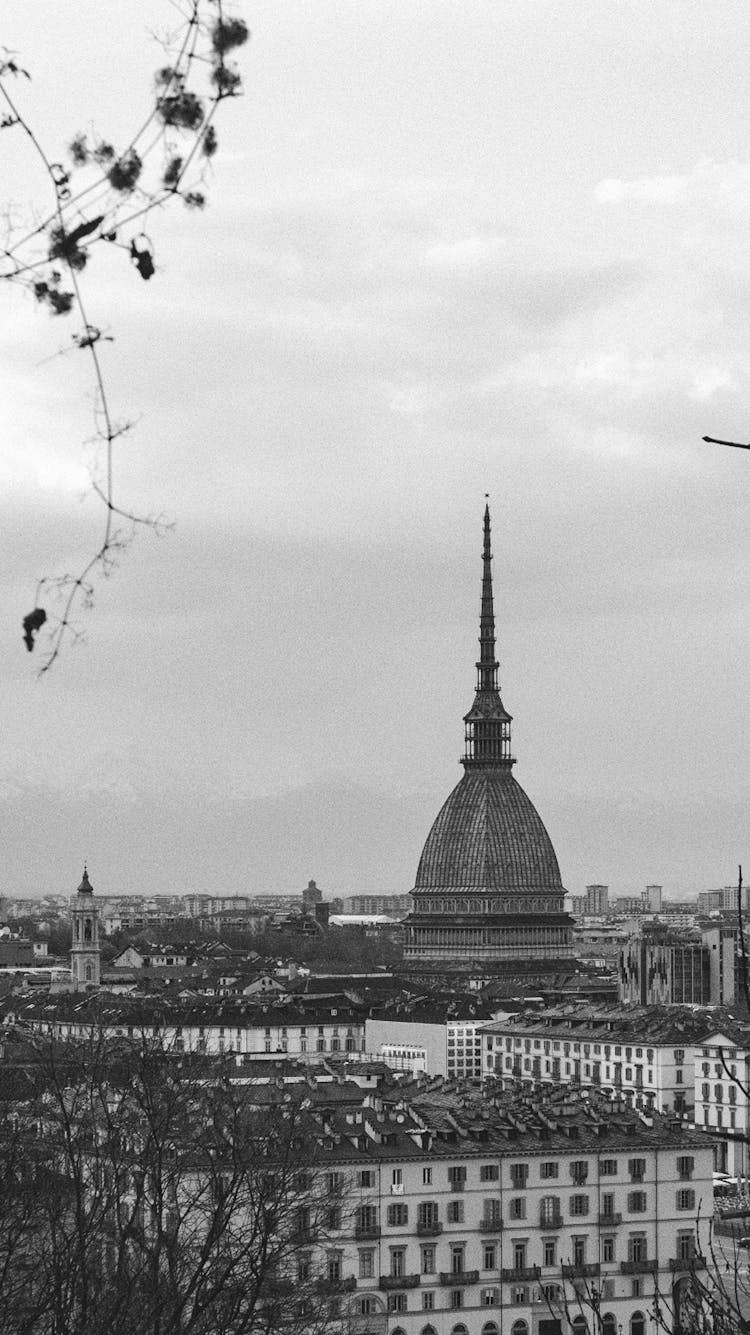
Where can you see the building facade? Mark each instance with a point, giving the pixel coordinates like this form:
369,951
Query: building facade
85,956
488,885
664,968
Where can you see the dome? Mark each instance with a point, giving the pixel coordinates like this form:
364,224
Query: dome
488,836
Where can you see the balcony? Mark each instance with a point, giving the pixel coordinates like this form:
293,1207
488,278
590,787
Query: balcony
398,1281
525,1274
638,1267
458,1185
687,1263
429,1230
550,1221
367,1231
490,1225
586,1270
459,1278
333,1286
610,1219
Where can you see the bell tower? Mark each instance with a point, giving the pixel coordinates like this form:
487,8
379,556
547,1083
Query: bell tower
85,960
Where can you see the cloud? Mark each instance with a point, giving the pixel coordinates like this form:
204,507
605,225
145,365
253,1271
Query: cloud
721,185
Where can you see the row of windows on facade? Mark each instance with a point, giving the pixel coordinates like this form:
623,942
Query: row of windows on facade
550,1210
549,904
555,1066
597,1049
520,1255
367,1306
549,1169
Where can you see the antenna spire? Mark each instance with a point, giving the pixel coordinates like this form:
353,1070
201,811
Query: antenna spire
487,723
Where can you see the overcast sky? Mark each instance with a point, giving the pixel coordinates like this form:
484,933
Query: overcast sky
450,248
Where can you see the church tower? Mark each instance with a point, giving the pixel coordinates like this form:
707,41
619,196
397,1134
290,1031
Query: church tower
85,962
488,885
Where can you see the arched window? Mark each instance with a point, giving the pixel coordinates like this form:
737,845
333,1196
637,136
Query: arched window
460,1329
637,1324
580,1325
89,974
490,1328
519,1328
428,1330
398,1331
609,1324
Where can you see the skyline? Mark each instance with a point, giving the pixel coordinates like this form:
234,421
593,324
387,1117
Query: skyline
439,259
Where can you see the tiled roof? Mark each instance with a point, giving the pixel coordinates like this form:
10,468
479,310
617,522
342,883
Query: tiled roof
488,836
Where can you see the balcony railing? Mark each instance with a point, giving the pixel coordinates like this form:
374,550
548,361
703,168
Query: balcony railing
367,1230
687,1263
490,1225
429,1230
638,1267
456,1279
398,1281
325,1285
586,1270
550,1221
523,1274
609,1219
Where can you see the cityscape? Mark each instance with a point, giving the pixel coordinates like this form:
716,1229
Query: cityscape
436,1053
375,893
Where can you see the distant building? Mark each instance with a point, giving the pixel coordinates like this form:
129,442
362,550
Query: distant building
488,885
85,958
597,900
662,968
311,895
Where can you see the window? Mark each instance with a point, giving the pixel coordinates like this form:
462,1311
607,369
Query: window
333,1267
549,1211
685,1166
608,1167
637,1247
428,1261
396,1302
579,1205
427,1214
637,1202
609,1324
519,1328
398,1215
519,1295
488,1297
637,1169
489,1172
519,1172
333,1217
579,1325
636,1288
457,1299
608,1203
549,1169
489,1256
457,1258
426,1177
428,1304
579,1251
549,1251
608,1249
579,1170
455,1212
638,1324
517,1207
367,1264
367,1178
304,1266
398,1262
685,1199
685,1244
519,1255
456,1177
491,1217
397,1177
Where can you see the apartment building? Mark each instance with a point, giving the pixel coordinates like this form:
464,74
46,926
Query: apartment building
475,1216
644,1053
438,1046
722,1097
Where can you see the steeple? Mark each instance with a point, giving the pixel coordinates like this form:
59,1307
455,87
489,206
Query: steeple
487,723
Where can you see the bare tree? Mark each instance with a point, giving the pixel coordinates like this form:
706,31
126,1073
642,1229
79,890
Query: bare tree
102,195
150,1195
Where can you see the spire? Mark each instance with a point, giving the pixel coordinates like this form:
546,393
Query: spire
487,723
85,888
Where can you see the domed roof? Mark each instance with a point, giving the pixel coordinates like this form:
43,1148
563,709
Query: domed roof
488,836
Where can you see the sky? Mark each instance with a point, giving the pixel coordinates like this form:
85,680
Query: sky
497,247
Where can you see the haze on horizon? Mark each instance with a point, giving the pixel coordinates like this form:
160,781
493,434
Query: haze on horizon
497,248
